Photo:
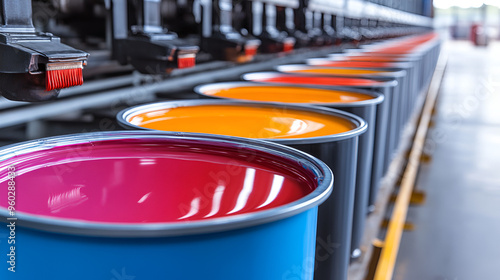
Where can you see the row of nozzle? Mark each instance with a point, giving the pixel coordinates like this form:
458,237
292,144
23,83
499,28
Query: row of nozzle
36,65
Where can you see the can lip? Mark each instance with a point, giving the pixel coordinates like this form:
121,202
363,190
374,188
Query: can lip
399,57
422,46
392,65
136,230
286,68
361,125
201,89
382,83
419,50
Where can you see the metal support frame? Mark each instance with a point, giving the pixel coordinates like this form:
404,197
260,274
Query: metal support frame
358,9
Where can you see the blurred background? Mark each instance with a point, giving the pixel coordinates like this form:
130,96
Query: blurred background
475,20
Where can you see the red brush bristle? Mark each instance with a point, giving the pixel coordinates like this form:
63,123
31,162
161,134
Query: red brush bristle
250,51
288,47
57,79
186,62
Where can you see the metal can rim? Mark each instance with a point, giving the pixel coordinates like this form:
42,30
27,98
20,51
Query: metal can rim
361,125
139,230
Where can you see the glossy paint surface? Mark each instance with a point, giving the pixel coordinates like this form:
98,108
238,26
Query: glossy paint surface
153,181
318,80
285,94
243,121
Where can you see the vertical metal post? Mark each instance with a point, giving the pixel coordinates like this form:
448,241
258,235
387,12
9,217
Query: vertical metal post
120,20
151,15
16,15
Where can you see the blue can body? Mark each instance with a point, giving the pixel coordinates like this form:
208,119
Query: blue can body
282,249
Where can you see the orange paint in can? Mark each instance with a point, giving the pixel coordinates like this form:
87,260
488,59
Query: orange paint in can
243,121
287,94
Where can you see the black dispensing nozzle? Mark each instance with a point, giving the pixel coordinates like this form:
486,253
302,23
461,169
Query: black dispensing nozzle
369,30
313,27
263,26
285,21
329,33
34,66
350,31
219,38
316,30
147,46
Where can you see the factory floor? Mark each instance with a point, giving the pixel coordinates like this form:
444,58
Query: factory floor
457,229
